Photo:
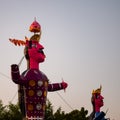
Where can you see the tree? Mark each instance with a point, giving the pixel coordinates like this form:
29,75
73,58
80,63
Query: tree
49,111
14,112
77,115
59,114
2,110
10,112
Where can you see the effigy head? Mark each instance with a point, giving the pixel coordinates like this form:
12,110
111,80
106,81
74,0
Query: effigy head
34,51
97,98
97,91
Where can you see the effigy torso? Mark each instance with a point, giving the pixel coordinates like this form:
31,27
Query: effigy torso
35,86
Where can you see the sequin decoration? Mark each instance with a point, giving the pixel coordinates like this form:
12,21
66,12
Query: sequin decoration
45,93
39,93
32,83
30,107
46,84
40,83
31,92
38,106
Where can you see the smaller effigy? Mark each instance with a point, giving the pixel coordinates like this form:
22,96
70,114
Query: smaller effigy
97,103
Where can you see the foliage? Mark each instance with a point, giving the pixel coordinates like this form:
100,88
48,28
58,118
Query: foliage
49,111
61,115
2,111
12,112
77,115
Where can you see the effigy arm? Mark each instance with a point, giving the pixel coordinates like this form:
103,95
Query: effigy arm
57,86
15,74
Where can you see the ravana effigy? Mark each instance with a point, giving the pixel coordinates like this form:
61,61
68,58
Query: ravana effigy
33,84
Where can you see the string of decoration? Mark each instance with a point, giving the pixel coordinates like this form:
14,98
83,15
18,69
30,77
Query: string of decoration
64,101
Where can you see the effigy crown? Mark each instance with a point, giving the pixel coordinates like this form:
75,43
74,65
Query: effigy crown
97,90
35,27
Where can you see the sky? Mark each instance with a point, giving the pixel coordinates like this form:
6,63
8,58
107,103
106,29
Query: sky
81,40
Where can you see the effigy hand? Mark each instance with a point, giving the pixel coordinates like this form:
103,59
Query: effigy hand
15,72
64,85
14,68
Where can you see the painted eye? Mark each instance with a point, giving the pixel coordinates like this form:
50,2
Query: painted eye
34,45
41,51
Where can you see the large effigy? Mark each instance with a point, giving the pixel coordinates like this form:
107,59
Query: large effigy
33,84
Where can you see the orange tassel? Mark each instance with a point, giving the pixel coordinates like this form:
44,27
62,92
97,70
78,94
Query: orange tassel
17,42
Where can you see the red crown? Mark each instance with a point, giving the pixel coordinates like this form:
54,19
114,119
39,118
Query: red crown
35,27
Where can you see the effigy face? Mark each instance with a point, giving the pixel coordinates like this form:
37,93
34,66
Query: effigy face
98,102
36,53
100,99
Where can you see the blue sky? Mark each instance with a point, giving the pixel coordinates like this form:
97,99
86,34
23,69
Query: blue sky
81,40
